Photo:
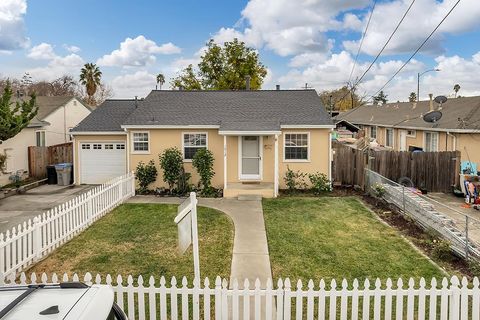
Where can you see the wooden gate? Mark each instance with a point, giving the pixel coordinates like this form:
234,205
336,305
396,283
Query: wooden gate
40,157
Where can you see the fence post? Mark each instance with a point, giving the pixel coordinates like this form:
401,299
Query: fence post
403,199
37,239
466,238
89,207
132,177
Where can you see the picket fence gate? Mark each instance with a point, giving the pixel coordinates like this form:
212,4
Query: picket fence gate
449,299
33,240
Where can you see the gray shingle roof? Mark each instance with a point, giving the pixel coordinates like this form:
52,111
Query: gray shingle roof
233,110
109,116
458,114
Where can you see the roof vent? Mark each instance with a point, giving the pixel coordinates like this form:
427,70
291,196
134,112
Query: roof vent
431,101
136,101
247,82
277,87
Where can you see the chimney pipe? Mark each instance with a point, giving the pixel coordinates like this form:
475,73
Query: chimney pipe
136,102
247,83
431,101
278,87
180,88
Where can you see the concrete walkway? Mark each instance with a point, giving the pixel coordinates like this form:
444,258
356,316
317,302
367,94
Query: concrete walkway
250,249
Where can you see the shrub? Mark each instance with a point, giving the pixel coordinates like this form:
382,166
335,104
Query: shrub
171,162
203,161
442,250
320,182
146,174
378,190
294,180
3,162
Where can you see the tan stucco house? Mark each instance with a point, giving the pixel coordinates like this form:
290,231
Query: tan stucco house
401,127
253,135
51,126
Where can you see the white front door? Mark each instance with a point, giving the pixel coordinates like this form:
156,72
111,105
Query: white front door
250,161
403,140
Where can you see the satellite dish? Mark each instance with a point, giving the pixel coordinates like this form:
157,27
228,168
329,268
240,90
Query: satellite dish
432,116
440,99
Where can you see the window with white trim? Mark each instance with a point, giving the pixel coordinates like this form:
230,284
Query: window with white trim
85,146
296,146
97,146
109,146
140,141
389,137
192,142
40,138
120,146
431,141
373,132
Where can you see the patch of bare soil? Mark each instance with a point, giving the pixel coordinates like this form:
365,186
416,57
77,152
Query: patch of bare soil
426,240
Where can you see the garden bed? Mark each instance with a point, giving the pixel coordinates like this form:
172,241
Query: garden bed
141,239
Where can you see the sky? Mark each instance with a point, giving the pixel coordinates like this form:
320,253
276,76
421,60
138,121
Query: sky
301,41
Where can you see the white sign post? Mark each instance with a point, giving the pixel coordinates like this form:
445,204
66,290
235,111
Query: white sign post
186,221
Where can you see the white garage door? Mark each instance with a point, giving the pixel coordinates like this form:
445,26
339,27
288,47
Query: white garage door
101,161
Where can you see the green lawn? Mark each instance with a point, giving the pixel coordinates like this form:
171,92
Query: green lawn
329,237
141,239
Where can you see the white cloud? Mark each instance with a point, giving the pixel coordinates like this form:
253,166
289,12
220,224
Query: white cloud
72,49
137,52
43,51
138,84
331,74
420,21
291,27
12,26
58,66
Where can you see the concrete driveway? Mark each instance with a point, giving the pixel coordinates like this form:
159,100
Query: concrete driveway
16,209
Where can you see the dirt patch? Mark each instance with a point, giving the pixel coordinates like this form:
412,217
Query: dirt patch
428,242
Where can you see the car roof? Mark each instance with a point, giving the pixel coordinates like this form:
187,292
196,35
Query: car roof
93,302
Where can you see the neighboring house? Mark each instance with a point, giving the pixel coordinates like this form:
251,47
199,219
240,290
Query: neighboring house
55,117
253,135
400,126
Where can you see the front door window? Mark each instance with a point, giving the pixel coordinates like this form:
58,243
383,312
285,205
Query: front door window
250,160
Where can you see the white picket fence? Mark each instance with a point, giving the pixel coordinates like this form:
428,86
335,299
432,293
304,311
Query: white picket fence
33,240
449,299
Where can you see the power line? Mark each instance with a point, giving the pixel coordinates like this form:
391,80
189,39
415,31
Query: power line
386,43
361,41
381,50
419,48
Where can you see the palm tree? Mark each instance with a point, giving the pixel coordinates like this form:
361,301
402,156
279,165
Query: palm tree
160,80
456,88
90,76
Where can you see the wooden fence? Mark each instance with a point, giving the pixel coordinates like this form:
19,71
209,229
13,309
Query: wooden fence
33,240
434,171
40,157
153,299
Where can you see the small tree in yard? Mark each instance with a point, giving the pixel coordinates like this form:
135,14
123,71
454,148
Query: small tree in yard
171,162
203,161
14,116
146,174
294,180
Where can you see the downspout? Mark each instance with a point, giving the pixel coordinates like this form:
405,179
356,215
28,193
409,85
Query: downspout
76,167
330,157
454,147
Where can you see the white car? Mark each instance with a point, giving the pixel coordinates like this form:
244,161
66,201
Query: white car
69,301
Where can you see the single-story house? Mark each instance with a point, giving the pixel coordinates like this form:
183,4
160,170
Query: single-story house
400,125
253,135
51,126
